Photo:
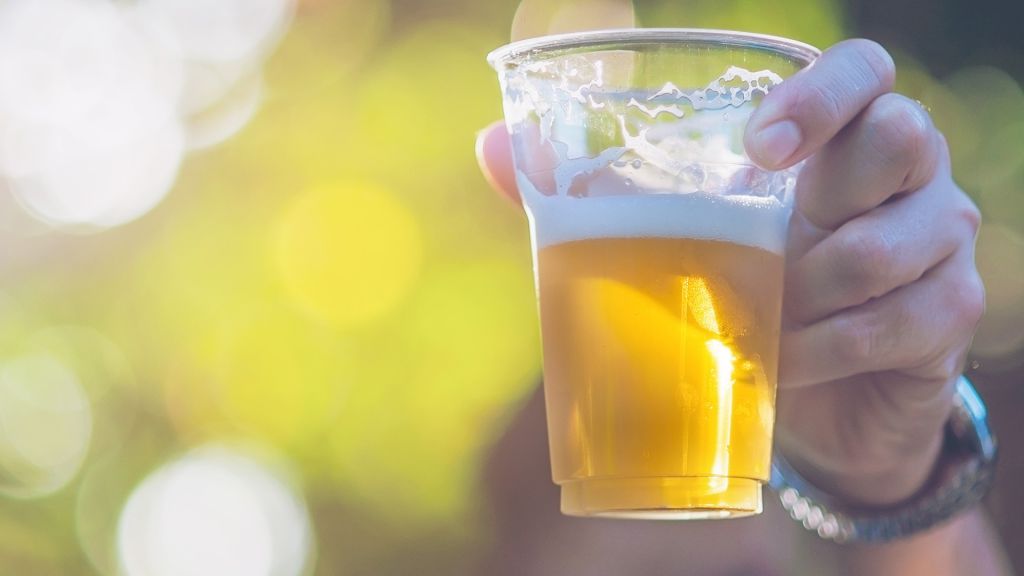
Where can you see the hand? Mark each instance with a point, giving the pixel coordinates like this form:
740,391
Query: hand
882,296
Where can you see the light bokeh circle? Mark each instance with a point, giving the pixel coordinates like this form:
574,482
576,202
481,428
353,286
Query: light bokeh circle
348,253
222,31
98,187
89,132
96,97
215,512
46,425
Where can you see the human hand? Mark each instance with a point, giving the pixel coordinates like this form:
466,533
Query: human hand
882,296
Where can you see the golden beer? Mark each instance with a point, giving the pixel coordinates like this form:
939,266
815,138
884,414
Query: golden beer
660,359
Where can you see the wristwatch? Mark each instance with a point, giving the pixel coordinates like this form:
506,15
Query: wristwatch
962,478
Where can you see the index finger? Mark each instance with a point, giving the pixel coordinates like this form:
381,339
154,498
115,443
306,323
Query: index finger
804,112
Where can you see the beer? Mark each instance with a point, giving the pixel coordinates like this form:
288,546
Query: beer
660,317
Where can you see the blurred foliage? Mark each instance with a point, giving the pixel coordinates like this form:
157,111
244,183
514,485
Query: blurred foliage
336,283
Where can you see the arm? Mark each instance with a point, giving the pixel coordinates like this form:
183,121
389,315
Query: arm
966,546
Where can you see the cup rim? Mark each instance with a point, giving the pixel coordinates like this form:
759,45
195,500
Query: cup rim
521,50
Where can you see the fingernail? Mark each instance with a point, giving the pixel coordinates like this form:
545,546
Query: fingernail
775,143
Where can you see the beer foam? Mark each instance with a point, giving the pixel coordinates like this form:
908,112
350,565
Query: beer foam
673,167
754,221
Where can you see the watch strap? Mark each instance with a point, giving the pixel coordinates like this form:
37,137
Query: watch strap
968,455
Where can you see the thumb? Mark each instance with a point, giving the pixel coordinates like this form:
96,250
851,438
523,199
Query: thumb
494,154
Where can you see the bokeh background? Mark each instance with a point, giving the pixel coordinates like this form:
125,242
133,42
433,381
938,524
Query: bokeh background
255,294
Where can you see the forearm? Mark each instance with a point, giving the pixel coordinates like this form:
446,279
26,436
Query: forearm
966,546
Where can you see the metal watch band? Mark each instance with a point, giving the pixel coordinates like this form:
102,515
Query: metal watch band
966,468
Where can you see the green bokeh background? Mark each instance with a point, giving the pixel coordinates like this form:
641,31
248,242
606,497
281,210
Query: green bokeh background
382,387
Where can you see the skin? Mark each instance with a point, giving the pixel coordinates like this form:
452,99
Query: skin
882,296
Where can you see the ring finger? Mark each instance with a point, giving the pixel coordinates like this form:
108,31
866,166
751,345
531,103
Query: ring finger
869,256
902,330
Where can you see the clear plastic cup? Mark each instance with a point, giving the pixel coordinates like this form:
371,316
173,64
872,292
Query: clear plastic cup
658,251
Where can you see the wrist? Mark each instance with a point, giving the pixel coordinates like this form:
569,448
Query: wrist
877,487
962,476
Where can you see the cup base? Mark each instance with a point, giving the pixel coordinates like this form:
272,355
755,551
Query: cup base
662,498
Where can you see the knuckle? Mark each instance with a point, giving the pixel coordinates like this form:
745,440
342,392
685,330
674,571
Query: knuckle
968,301
875,60
865,261
949,367
899,130
823,104
970,214
860,339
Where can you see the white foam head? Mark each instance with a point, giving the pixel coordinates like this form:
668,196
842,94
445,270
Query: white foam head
674,169
759,222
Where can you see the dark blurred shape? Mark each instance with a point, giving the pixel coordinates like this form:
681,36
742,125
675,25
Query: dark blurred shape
946,35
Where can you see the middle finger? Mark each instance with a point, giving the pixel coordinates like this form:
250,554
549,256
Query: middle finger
910,328
880,251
